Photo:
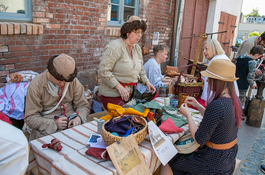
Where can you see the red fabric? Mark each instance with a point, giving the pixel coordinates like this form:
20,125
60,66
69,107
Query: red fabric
127,84
114,100
201,101
55,144
150,116
5,118
156,95
62,107
97,152
168,127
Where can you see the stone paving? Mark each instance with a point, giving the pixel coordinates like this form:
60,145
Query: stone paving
255,156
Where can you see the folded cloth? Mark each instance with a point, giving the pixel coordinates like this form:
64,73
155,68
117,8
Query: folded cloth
55,144
120,126
177,119
98,153
168,127
116,110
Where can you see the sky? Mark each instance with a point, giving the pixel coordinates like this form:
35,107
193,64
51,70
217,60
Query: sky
248,5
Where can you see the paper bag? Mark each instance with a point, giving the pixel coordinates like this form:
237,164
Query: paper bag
127,157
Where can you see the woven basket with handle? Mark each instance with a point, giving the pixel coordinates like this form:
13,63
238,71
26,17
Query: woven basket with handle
108,138
192,89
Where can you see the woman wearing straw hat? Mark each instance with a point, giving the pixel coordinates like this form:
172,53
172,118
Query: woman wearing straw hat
121,66
217,132
212,50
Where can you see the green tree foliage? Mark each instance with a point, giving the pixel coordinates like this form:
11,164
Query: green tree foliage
254,13
253,34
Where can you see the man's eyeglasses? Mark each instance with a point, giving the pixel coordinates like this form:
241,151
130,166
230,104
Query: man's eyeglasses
137,33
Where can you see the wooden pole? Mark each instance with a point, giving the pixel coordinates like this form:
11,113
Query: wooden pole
205,37
255,112
197,53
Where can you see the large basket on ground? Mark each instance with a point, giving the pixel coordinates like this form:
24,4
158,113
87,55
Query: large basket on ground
192,89
108,138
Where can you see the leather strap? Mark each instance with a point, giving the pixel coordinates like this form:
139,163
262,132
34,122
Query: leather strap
64,92
221,146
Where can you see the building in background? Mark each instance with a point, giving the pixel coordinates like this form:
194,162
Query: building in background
206,16
249,25
38,29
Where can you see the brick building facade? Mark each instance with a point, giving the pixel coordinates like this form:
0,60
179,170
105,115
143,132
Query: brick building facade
75,27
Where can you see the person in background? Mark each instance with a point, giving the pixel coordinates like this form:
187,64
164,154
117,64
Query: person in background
212,50
248,44
153,71
217,133
44,112
245,70
122,64
13,150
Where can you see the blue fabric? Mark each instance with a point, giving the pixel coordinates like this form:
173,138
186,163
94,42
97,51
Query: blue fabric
153,73
218,126
96,106
120,126
12,99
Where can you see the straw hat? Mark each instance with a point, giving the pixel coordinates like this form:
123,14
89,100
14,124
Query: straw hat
186,144
221,69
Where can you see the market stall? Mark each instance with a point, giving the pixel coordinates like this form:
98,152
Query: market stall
72,157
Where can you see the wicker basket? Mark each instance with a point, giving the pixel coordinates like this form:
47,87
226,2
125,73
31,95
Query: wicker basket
108,138
201,66
192,89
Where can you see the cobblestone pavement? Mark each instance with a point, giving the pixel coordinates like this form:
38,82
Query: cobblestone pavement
255,156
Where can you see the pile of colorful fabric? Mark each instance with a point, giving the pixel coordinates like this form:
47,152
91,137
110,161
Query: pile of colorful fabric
152,111
124,125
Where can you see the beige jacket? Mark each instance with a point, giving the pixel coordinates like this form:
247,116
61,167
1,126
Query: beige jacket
117,66
247,45
38,99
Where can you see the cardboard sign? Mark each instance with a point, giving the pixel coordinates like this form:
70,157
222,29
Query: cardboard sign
164,149
127,157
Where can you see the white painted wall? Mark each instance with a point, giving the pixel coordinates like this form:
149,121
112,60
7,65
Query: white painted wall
232,7
248,28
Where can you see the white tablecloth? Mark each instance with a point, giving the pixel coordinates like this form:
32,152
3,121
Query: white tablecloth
72,158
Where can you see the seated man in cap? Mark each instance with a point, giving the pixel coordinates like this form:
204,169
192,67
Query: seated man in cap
55,99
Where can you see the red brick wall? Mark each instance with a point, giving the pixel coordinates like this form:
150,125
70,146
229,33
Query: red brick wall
77,28
160,19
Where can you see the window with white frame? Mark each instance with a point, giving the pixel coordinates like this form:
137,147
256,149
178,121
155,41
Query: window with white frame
119,11
15,10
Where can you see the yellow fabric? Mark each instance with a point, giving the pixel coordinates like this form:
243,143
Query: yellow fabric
116,110
131,111
146,111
